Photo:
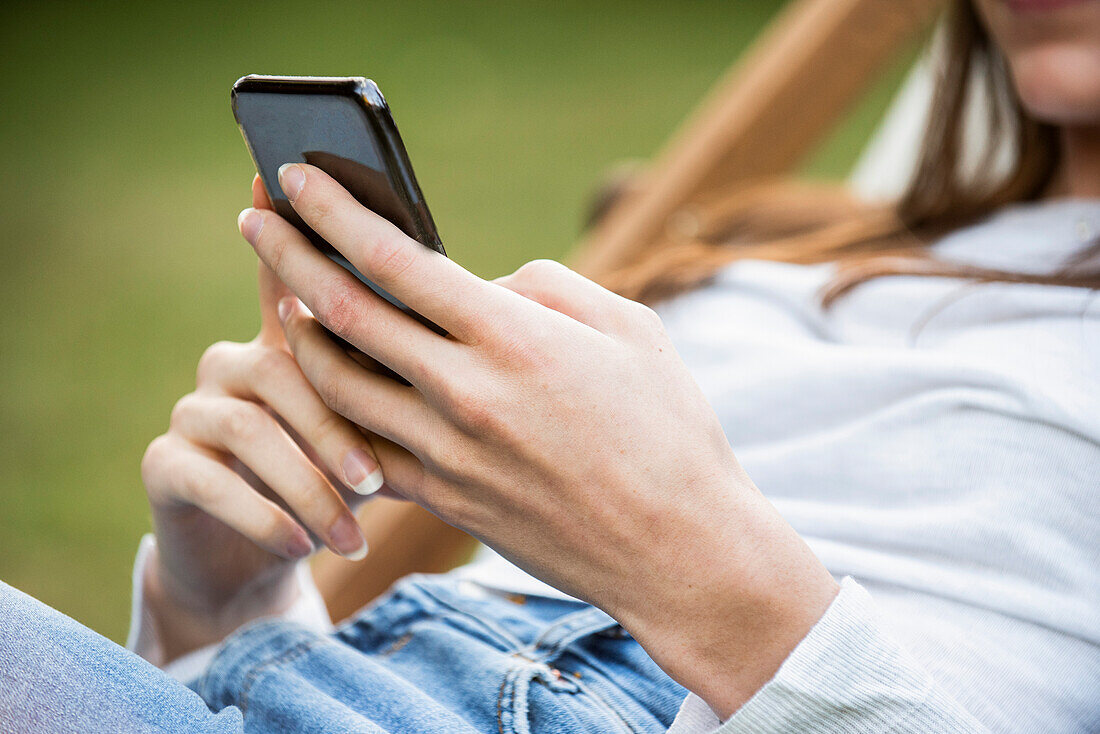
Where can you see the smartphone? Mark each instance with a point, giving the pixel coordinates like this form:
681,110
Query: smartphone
343,126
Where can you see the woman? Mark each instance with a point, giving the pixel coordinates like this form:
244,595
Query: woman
933,433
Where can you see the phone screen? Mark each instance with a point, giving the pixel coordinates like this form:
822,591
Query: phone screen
344,128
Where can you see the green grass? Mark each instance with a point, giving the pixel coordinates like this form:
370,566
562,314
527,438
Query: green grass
123,173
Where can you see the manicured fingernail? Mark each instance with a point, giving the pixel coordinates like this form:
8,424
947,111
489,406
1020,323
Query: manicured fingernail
250,222
362,472
299,546
292,178
286,306
347,539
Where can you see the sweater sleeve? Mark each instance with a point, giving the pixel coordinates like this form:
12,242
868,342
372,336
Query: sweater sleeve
847,676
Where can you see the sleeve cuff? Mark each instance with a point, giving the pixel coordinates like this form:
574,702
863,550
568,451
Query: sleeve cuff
308,610
847,676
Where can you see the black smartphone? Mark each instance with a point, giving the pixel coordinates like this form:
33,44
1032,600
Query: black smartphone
343,126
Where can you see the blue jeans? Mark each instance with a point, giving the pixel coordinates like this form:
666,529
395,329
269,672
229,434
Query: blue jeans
433,655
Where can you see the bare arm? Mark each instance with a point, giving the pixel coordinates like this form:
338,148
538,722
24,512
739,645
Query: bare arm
404,538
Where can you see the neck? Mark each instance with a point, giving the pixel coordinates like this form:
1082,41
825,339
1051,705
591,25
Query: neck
1079,173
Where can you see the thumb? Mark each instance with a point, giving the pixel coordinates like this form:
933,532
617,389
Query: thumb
260,199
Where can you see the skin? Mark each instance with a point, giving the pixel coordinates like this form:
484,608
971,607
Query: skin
250,477
555,423
1054,58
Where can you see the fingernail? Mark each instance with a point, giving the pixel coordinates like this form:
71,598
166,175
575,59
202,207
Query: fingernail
299,546
285,307
362,472
347,539
292,178
250,223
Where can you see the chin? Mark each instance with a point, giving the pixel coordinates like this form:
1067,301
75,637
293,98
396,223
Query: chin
1059,84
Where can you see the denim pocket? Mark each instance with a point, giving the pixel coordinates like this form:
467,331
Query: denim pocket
418,601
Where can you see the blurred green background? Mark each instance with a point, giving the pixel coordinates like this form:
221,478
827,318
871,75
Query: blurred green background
123,173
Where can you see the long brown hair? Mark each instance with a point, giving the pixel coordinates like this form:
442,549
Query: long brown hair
802,223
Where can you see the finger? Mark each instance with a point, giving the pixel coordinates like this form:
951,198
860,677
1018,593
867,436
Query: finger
347,307
439,496
421,278
176,470
272,290
260,199
557,287
377,403
249,433
408,471
272,377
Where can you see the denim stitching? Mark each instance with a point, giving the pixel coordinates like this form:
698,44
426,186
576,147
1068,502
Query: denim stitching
507,640
577,625
500,704
285,656
350,628
605,705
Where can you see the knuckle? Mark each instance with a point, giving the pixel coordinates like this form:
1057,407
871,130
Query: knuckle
646,315
156,459
317,209
440,453
201,488
270,362
422,369
507,281
331,387
524,350
540,269
339,308
213,361
267,525
330,427
452,507
274,248
242,422
313,505
273,525
473,410
638,319
181,410
391,257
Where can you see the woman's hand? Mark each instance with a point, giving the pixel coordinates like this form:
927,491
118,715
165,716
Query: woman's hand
557,424
254,468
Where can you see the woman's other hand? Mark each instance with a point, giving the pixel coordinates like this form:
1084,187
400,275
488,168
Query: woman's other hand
557,424
253,472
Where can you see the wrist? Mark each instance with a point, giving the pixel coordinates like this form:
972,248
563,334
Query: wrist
185,619
733,606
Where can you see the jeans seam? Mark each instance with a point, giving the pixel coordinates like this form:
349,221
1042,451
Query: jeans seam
500,704
292,653
548,651
508,641
605,704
